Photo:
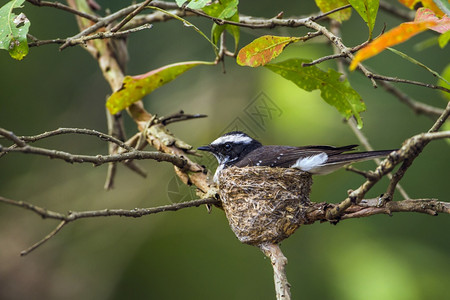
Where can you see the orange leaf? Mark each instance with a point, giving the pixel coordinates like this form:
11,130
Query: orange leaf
394,36
426,14
425,3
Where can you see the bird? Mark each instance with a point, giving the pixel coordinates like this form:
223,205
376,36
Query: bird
238,149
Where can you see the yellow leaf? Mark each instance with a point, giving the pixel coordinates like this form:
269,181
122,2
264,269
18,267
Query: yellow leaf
394,36
425,3
263,49
327,5
135,88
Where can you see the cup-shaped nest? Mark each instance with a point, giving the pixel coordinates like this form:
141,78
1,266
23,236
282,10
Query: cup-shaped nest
263,204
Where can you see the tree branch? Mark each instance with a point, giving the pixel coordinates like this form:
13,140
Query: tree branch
407,15
417,107
317,212
279,261
21,146
408,152
46,238
102,22
84,39
365,142
130,16
63,7
413,82
73,216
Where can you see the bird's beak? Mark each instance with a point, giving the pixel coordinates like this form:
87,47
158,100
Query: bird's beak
205,148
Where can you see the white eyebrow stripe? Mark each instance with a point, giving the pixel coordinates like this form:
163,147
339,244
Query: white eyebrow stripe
310,162
238,139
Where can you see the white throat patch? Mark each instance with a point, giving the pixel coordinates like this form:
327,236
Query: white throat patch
235,138
218,170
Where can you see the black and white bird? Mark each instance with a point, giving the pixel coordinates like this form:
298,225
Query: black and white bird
240,150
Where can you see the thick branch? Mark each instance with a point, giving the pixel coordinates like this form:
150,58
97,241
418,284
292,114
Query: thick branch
157,135
370,207
279,261
317,212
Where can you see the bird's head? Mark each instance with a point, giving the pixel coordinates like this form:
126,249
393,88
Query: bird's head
231,147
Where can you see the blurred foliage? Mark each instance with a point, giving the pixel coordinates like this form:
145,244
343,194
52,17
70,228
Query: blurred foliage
191,254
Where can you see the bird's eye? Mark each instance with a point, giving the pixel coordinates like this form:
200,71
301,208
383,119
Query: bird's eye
227,146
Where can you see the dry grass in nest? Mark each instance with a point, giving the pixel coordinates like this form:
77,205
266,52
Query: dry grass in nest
263,204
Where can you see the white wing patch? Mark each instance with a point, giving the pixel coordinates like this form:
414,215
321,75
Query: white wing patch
235,138
311,162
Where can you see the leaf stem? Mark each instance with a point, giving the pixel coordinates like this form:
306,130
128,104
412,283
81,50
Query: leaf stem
189,24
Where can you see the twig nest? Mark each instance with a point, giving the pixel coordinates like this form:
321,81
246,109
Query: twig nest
263,204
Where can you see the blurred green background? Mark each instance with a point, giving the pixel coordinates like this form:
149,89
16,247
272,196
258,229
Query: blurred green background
191,254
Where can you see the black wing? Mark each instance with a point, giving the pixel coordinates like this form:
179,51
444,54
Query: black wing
286,156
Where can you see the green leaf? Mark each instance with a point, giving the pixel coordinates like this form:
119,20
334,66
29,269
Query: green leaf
134,88
263,50
225,10
193,4
327,5
444,81
14,30
334,91
443,39
368,10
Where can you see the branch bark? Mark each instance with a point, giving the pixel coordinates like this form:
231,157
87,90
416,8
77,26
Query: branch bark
279,261
317,212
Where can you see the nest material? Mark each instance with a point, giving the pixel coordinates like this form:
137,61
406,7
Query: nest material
263,204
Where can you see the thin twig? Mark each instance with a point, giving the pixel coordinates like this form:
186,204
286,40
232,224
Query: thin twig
400,80
407,15
365,142
424,140
324,58
156,17
366,174
178,117
325,14
417,107
130,16
102,22
83,131
46,238
64,8
83,39
441,120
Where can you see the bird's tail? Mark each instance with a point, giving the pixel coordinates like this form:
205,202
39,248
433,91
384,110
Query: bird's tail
335,162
